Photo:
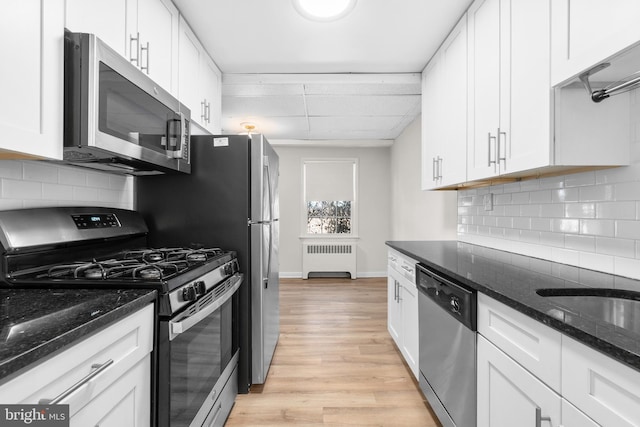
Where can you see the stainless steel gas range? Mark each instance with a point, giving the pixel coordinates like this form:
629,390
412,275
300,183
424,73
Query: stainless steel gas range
196,356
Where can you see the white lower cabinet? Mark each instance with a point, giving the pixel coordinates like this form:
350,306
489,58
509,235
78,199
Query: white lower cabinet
105,379
402,308
508,395
606,390
526,367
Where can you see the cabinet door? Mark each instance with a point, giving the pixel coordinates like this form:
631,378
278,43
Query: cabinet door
126,402
483,19
605,389
525,95
189,54
393,308
586,32
31,78
453,115
410,335
158,28
211,83
112,21
508,395
573,417
431,123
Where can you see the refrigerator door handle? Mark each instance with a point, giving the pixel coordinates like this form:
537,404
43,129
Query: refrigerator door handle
270,200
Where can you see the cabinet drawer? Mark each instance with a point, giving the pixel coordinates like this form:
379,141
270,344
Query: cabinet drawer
403,264
532,344
125,343
604,389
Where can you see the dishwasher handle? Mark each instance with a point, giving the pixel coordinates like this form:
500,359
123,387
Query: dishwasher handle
455,298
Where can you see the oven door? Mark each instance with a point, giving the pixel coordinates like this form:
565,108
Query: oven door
196,355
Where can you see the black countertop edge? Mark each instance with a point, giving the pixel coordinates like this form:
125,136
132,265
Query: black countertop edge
438,255
37,347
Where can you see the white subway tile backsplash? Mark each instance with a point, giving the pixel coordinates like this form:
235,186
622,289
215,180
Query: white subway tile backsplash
10,169
565,195
596,193
552,239
616,210
96,180
85,194
627,229
520,198
627,191
40,171
530,210
72,176
580,210
616,247
512,210
57,192
502,199
543,196
14,189
598,227
565,225
580,179
522,223
552,210
541,224
580,243
512,187
7,204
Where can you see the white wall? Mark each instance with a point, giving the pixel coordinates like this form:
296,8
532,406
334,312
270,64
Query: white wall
589,219
417,214
29,184
374,205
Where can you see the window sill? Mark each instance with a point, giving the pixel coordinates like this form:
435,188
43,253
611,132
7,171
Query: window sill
329,237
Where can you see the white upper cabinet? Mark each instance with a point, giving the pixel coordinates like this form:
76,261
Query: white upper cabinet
158,49
200,81
114,22
509,92
143,31
587,32
31,79
444,112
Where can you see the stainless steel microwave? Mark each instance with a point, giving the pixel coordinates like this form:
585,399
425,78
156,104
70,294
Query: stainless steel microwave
117,119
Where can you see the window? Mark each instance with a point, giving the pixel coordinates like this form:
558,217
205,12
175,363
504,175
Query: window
329,197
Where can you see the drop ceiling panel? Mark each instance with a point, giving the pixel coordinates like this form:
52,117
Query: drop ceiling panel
362,105
273,127
261,89
263,106
350,124
363,89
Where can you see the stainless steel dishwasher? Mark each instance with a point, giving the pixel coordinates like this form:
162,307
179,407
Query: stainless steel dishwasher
447,318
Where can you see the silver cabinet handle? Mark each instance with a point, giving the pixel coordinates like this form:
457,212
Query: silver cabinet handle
503,156
136,39
203,109
434,165
207,110
395,290
145,67
98,369
489,138
439,167
540,418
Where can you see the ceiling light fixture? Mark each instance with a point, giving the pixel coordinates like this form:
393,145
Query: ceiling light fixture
248,128
324,10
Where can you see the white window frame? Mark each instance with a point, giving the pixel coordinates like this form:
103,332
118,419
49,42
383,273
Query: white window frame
354,202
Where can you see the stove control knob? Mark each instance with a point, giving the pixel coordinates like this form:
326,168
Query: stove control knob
455,305
189,293
228,269
200,286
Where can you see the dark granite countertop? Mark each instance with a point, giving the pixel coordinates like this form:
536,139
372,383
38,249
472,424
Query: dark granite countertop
514,279
35,323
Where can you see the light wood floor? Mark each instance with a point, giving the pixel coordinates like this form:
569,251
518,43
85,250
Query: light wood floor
335,363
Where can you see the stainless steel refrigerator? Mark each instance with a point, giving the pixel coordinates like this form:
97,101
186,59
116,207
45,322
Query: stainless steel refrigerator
230,200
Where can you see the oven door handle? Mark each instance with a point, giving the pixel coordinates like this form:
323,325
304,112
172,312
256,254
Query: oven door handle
178,327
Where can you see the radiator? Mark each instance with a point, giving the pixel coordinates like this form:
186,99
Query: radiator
328,258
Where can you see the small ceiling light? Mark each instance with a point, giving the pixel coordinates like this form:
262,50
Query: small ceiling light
324,10
248,128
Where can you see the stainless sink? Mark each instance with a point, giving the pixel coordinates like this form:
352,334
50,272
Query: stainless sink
614,306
